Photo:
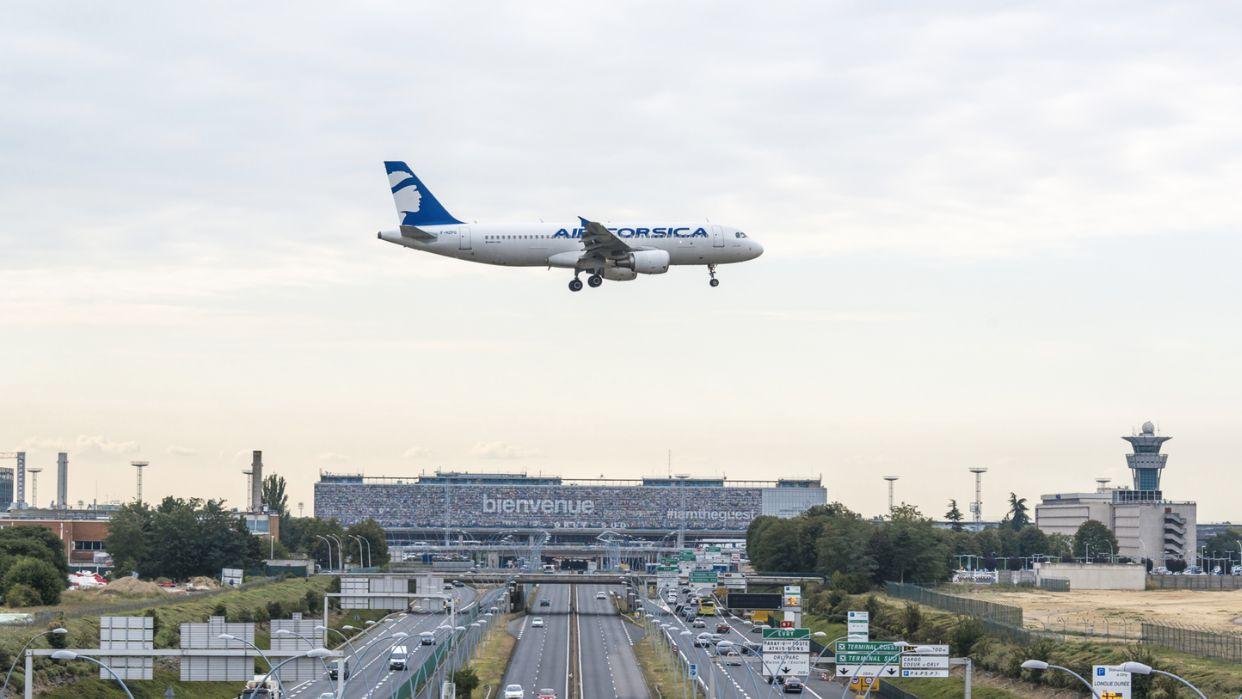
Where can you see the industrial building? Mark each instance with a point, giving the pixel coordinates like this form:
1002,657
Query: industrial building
453,504
1146,524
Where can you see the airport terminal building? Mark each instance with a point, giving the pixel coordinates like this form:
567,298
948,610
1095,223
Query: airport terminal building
483,505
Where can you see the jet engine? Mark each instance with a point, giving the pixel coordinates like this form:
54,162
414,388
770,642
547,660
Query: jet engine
619,274
645,261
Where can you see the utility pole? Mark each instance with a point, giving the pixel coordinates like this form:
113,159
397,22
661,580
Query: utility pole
891,480
976,507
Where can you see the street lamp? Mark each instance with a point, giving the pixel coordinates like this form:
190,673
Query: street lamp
340,550
70,655
327,541
58,630
231,637
362,562
1041,665
375,644
1136,668
345,638
317,653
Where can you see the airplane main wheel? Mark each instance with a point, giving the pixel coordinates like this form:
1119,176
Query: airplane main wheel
575,285
595,280
714,282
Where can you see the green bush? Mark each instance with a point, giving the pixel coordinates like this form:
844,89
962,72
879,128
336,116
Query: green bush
39,575
22,595
965,634
466,681
275,610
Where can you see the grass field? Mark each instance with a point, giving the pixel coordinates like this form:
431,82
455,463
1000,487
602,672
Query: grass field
657,665
492,657
54,678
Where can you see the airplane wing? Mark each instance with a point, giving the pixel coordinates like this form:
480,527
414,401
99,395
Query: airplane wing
601,243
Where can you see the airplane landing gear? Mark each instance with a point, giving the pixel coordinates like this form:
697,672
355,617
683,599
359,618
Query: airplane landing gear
711,269
595,280
575,284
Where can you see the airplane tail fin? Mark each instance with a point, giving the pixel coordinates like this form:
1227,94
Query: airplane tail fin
416,205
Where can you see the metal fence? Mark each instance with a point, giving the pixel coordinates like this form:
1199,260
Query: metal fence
1194,582
984,611
1199,642
1054,584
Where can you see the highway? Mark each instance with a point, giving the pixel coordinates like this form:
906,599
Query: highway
541,658
368,653
606,646
743,681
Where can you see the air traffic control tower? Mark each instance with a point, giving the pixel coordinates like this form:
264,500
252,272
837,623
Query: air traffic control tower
1147,462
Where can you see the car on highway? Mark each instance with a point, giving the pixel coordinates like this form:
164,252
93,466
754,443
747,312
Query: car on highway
514,691
546,694
732,657
601,595
328,695
427,638
399,658
793,685
703,640
723,628
544,603
332,670
758,628
699,624
536,623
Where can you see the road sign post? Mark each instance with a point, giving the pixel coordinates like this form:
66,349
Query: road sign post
1110,682
858,626
786,652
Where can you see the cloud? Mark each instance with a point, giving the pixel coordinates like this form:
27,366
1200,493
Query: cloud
82,444
416,452
501,451
180,451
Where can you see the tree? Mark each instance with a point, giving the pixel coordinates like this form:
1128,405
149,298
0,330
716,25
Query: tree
128,539
954,516
35,542
465,680
1094,539
909,547
1031,542
777,548
41,576
1017,517
22,595
370,530
273,495
1223,544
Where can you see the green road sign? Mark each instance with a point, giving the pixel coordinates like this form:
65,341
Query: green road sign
864,646
702,576
878,658
786,633
685,556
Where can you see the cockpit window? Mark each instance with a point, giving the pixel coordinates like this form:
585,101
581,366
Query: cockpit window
739,234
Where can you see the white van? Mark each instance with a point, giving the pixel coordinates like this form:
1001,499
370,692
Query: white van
399,658
257,689
427,638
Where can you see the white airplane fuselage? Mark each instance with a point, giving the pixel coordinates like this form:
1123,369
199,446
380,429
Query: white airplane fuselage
560,244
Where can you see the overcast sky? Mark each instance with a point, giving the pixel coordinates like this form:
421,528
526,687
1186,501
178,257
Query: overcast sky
996,236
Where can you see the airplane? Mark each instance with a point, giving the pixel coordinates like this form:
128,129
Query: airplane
617,252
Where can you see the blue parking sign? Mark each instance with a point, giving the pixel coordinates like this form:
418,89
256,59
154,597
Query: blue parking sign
694,670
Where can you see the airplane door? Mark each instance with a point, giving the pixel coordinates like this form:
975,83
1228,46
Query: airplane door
463,238
717,237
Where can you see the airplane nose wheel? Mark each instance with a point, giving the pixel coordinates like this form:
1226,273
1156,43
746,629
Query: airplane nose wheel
595,280
575,284
711,269
714,282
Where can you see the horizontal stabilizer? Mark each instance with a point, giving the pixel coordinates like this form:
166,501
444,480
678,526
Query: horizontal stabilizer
416,233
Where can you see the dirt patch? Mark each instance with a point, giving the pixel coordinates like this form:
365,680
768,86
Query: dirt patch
132,587
204,583
1218,610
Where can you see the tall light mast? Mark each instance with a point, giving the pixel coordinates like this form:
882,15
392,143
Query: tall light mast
891,480
976,507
